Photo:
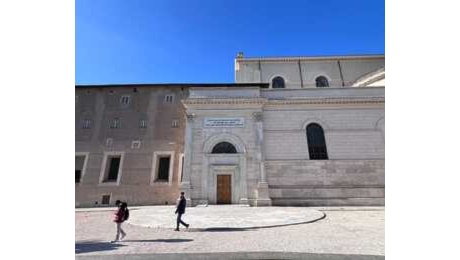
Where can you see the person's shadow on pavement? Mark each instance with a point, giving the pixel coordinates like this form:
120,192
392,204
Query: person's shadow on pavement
94,246
174,240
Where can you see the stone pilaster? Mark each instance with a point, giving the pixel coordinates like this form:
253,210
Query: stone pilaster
186,183
263,198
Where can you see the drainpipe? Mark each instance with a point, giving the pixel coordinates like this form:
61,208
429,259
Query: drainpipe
341,75
300,72
260,72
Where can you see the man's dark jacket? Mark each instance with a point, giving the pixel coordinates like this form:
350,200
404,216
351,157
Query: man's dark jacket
181,207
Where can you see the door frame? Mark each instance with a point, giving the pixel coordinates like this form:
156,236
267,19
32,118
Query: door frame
233,171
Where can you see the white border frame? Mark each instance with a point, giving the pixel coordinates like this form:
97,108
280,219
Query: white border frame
104,165
85,162
153,174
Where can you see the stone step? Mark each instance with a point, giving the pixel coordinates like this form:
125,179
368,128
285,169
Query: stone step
327,192
328,202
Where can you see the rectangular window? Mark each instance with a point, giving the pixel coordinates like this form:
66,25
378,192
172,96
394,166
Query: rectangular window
115,123
169,98
136,144
79,166
109,142
112,168
105,200
175,123
125,100
143,123
163,169
86,124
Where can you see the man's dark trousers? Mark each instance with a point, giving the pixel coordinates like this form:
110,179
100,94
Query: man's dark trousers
179,220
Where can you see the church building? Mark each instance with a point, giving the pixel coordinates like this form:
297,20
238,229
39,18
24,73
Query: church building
291,131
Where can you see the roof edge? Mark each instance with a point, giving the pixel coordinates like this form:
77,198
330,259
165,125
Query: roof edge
296,58
174,85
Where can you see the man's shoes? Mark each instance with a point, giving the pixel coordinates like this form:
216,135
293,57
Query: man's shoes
188,225
176,229
114,241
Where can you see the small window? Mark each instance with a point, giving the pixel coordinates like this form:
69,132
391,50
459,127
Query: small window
163,168
142,123
86,124
224,147
105,200
278,82
136,144
316,142
115,123
112,168
125,100
169,98
79,163
109,142
175,123
321,82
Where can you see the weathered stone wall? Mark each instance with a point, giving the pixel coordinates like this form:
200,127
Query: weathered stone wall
101,105
326,182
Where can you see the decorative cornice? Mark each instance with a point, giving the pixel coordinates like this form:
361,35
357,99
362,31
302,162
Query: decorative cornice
339,100
224,101
308,58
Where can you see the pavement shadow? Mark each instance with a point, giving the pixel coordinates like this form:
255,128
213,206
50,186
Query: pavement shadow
94,246
176,240
227,229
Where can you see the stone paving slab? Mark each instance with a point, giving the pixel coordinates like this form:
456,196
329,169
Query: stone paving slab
236,255
348,233
224,217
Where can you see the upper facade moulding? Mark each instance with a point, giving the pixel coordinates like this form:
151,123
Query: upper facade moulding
308,58
370,78
181,85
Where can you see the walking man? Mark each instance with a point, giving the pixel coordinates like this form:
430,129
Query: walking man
181,210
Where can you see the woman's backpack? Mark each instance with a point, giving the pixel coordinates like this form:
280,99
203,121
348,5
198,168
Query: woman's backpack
126,214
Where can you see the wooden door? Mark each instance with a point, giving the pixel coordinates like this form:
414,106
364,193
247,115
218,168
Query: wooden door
224,189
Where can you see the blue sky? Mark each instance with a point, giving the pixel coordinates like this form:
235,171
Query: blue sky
190,41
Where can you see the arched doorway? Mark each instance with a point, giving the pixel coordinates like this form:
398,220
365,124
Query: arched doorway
224,170
224,181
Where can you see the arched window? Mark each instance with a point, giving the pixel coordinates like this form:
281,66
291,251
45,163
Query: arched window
321,82
278,82
224,147
316,142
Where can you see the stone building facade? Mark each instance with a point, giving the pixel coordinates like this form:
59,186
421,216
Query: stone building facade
128,129
290,131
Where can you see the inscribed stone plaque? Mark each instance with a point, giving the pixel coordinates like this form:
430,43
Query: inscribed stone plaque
224,122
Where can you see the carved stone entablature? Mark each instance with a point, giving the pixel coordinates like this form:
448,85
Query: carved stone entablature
190,117
224,101
364,100
258,116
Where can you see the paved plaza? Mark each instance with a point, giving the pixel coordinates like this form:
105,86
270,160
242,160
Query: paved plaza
234,232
